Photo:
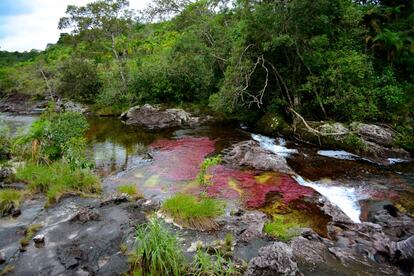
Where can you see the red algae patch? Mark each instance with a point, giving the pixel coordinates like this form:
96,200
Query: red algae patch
254,187
180,159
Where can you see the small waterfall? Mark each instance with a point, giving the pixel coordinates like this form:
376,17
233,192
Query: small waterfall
344,198
270,145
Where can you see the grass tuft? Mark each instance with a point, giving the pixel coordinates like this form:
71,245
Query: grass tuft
6,270
58,179
9,199
190,211
130,190
282,227
30,233
157,251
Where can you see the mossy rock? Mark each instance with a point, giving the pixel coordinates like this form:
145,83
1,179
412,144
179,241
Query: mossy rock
272,123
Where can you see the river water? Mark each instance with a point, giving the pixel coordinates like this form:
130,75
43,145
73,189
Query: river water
161,163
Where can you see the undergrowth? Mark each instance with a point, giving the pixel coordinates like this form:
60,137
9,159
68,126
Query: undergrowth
205,264
58,179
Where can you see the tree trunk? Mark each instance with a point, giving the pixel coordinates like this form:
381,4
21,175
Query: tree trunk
121,66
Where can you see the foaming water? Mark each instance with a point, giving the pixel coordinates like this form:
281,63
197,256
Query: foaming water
344,198
338,154
271,145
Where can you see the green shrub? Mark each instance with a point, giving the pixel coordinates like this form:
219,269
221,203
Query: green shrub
79,80
190,211
157,251
207,163
9,199
53,136
58,179
74,153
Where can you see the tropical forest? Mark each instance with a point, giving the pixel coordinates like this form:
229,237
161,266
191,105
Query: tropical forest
208,138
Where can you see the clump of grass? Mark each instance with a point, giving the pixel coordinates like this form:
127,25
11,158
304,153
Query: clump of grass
130,190
202,178
157,251
123,248
58,179
282,227
9,199
190,211
6,270
29,234
205,264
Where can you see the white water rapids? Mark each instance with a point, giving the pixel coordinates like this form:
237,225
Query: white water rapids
344,198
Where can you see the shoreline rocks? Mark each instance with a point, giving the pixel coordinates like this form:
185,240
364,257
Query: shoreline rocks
372,141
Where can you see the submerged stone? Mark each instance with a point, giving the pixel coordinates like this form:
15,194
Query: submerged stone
180,159
254,187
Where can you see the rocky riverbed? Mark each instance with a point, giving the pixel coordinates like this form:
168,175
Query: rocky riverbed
358,211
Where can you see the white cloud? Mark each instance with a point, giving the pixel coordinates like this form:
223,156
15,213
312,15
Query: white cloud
34,30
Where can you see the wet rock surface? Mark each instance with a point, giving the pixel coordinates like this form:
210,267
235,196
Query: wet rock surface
274,259
78,236
156,118
251,154
374,133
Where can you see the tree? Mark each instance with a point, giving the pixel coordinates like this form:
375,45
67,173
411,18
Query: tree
103,19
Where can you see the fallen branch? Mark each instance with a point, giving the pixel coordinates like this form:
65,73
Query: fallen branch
311,129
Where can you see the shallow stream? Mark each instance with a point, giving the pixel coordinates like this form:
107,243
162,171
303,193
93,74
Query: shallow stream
161,163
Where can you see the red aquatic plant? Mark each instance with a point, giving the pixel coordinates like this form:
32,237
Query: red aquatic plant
253,187
180,159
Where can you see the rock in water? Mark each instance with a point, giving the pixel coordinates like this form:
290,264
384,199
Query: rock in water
2,257
39,239
251,154
275,259
15,212
156,118
153,117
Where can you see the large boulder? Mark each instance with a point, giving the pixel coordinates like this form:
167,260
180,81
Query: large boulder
374,133
274,259
74,107
156,118
251,154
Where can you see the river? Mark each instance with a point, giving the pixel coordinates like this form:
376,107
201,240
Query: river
161,163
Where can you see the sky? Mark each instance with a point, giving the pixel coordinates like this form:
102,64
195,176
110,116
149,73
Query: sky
32,24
